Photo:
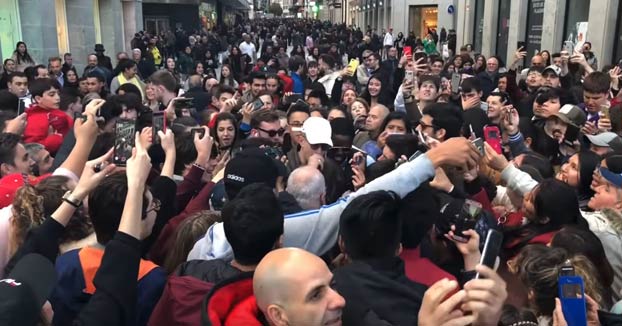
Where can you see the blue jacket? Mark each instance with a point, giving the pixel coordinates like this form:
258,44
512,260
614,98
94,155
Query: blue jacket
76,270
299,87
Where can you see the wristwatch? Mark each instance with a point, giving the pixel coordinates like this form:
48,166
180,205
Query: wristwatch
71,201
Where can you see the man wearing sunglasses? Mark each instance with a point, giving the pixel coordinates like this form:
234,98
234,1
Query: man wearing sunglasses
314,139
266,124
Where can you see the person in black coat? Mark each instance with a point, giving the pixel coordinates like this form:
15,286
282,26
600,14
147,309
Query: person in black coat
374,283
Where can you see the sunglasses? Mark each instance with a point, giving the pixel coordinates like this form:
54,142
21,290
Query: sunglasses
323,147
272,133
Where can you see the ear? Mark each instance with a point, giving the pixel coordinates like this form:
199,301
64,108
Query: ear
5,169
37,98
440,134
342,245
276,315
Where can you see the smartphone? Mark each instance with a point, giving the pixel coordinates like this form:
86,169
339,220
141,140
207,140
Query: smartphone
76,115
569,47
410,76
521,44
353,65
408,50
492,135
455,82
479,144
572,297
604,111
419,55
158,124
258,104
492,246
124,135
184,103
200,131
293,98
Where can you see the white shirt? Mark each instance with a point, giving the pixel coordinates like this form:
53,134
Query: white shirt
249,49
388,39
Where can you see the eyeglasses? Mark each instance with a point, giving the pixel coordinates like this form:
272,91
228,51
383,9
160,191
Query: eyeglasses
323,147
155,206
425,125
272,133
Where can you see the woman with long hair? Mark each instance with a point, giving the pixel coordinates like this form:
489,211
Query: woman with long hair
314,55
210,64
239,63
71,79
578,172
298,50
226,77
22,58
171,66
378,93
225,132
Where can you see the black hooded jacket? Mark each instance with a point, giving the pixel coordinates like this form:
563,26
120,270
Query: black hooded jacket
377,292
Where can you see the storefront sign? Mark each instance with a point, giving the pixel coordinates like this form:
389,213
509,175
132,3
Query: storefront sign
535,17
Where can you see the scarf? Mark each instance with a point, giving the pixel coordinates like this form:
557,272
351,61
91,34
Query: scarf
134,81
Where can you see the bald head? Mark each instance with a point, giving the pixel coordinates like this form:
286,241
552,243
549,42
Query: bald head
288,284
537,61
307,185
194,81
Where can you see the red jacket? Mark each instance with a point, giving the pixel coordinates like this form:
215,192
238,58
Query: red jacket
38,125
232,303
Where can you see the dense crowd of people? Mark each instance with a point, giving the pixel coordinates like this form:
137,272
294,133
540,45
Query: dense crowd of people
220,178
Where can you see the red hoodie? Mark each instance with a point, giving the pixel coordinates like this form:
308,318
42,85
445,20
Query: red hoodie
38,125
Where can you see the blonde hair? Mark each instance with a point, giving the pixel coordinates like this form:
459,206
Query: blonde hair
538,268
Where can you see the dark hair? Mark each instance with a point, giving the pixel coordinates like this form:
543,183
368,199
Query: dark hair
125,64
8,143
16,74
582,241
253,223
597,82
186,152
471,84
385,96
22,57
419,212
540,163
96,74
224,116
130,88
505,97
220,89
39,86
106,203
8,102
445,116
263,116
298,107
370,226
68,96
588,161
295,62
328,59
436,80
398,115
405,145
164,78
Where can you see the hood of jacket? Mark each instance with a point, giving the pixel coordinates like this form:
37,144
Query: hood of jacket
232,302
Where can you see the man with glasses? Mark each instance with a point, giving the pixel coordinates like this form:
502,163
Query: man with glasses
266,124
441,121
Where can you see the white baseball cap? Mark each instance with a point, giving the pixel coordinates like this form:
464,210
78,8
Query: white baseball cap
317,131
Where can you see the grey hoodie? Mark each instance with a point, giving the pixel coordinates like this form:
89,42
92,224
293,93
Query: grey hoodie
316,230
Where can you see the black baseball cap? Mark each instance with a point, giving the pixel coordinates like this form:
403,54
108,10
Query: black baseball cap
25,290
249,166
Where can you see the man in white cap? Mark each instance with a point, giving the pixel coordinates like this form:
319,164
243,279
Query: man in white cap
314,139
605,142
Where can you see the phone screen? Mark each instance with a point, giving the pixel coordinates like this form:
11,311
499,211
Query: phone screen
258,104
200,131
455,83
492,246
353,65
159,124
479,144
124,135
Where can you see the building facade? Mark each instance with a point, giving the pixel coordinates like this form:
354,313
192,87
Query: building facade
54,27
496,26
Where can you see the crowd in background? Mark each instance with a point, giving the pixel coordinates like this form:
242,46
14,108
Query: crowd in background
309,173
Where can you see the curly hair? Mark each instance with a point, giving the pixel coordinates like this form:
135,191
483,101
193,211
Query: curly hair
28,212
538,267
